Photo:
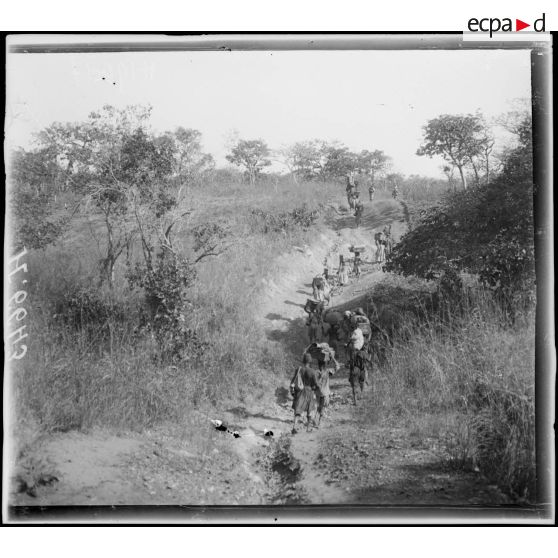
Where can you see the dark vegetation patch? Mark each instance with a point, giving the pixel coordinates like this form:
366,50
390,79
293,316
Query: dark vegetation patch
283,222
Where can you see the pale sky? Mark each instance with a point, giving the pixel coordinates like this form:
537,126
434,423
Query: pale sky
365,99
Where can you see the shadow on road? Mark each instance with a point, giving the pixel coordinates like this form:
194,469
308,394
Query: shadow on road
241,412
428,483
272,316
291,303
376,215
294,338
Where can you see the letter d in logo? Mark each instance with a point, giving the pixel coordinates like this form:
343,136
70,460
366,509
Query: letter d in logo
537,21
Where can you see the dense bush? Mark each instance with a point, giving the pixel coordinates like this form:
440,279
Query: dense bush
165,284
462,366
35,224
485,230
83,306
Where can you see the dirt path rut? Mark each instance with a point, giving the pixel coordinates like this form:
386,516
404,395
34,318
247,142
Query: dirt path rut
283,318
349,460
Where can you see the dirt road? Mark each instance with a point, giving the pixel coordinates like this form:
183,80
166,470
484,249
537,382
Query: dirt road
348,460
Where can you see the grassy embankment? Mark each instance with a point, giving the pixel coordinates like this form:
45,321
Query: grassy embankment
459,371
464,376
89,365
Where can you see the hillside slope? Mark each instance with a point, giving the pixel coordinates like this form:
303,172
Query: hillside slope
346,461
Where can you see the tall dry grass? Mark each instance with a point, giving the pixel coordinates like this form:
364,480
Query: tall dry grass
467,377
89,365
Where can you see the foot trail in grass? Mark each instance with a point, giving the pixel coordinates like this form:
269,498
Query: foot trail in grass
346,460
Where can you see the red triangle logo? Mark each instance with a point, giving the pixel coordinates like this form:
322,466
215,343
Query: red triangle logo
519,25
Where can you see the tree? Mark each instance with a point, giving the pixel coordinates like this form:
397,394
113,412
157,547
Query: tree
70,143
457,138
303,159
122,163
486,147
395,178
336,160
34,223
517,122
514,121
32,178
372,163
119,167
448,171
144,161
486,230
252,155
189,160
36,169
122,167
312,159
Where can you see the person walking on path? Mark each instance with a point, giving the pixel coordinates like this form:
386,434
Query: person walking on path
356,265
349,189
303,386
343,274
318,286
356,340
357,366
359,209
334,335
315,326
388,243
380,240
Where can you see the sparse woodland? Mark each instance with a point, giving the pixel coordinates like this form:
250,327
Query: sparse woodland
146,263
